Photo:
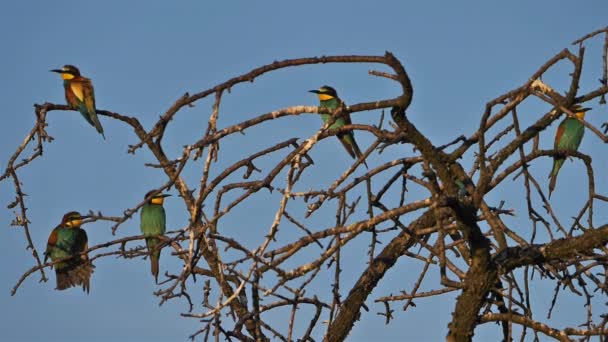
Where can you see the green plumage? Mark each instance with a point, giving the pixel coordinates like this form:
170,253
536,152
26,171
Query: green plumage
347,138
333,104
70,241
568,138
65,242
74,102
152,225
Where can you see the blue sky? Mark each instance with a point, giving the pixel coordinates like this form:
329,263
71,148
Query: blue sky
143,55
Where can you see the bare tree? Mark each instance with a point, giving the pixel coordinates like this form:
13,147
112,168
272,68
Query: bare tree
452,228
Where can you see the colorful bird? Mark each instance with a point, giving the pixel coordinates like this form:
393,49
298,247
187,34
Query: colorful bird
152,225
69,240
79,95
328,98
568,138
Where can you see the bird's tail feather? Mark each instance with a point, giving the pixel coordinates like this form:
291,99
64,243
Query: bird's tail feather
92,119
98,126
154,258
552,183
154,250
82,108
358,152
350,144
77,273
557,164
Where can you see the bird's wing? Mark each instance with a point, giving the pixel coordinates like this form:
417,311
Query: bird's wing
50,243
349,143
89,95
571,135
559,133
70,97
76,87
81,242
345,115
347,119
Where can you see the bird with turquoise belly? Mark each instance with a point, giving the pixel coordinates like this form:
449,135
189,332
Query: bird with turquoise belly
567,138
65,245
328,98
153,226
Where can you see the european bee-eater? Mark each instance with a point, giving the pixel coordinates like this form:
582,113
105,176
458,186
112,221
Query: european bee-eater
568,138
152,225
69,240
328,98
79,95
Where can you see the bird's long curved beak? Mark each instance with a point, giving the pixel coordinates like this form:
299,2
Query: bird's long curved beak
314,91
165,195
59,71
585,109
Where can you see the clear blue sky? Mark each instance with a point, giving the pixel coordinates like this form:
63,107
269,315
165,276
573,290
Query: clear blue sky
142,55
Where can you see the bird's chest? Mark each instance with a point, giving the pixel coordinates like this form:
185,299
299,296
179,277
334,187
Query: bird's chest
66,242
152,220
339,122
572,133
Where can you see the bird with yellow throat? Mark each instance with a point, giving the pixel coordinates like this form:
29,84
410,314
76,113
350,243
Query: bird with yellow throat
153,225
65,247
79,95
568,137
328,98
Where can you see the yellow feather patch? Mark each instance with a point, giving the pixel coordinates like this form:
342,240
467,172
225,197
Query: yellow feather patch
325,97
67,76
157,200
74,223
580,115
77,90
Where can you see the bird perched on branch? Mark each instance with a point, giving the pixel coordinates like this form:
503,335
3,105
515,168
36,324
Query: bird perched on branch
152,225
328,98
79,95
68,240
568,138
